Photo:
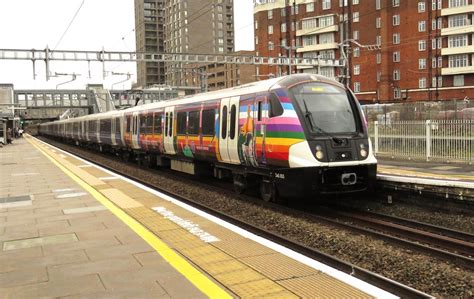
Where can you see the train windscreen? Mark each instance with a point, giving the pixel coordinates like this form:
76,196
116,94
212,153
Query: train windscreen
326,108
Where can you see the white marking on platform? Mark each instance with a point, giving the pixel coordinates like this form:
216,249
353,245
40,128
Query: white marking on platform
109,178
84,210
16,204
84,166
71,195
63,190
355,282
25,173
62,156
191,227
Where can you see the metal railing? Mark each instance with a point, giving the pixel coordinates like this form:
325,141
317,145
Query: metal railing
430,140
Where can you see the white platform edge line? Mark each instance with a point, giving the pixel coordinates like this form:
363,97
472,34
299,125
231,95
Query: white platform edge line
422,181
346,278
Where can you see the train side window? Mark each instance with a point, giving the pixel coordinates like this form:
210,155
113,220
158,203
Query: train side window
276,109
233,114
157,125
181,123
224,123
128,124
208,122
149,124
170,128
193,123
259,110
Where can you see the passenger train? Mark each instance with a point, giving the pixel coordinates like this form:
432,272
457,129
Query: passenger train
298,135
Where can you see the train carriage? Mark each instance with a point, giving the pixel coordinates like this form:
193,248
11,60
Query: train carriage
295,135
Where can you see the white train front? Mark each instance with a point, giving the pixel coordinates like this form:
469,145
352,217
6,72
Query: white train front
299,135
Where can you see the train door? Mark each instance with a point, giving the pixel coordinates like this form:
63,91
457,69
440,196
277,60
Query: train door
229,135
135,130
261,117
169,131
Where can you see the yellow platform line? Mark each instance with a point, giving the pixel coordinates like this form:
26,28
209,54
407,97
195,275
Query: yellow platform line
198,279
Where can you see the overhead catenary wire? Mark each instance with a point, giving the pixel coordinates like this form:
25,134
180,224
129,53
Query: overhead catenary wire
69,26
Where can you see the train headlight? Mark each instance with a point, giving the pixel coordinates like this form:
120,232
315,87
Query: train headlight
319,152
363,151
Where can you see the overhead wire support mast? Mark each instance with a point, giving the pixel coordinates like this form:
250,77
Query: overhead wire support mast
117,56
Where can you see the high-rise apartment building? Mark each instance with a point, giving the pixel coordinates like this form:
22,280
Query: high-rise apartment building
149,35
395,50
180,26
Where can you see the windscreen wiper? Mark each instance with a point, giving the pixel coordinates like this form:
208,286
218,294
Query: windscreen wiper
313,125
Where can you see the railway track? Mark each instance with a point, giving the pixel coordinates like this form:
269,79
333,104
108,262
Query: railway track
356,271
450,245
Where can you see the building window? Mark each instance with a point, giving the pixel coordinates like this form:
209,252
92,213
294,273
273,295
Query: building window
256,24
309,7
421,6
440,61
378,22
396,20
355,17
458,80
396,56
433,62
355,34
395,3
396,38
356,86
283,27
379,76
459,60
271,46
456,41
440,42
356,52
270,14
433,44
397,94
355,2
378,58
396,75
422,82
283,12
270,29
457,3
421,26
433,4
422,45
377,4
378,40
421,64
440,23
326,4
309,23
458,20
256,39
356,69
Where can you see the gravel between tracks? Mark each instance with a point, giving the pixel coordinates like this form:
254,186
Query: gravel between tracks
419,271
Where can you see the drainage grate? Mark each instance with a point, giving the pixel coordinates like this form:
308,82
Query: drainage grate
14,199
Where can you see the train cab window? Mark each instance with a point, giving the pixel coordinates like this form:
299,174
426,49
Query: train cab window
208,122
181,123
193,123
259,105
276,109
224,123
157,123
170,127
233,115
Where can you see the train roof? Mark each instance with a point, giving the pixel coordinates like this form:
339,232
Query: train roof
250,88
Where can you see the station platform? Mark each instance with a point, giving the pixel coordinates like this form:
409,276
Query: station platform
72,229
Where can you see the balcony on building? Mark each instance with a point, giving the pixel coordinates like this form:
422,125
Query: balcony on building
318,25
457,50
457,10
317,47
457,70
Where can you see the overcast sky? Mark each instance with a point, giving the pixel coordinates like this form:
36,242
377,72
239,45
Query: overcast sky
35,24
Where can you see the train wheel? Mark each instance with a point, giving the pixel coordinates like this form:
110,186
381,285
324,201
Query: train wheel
240,183
268,191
